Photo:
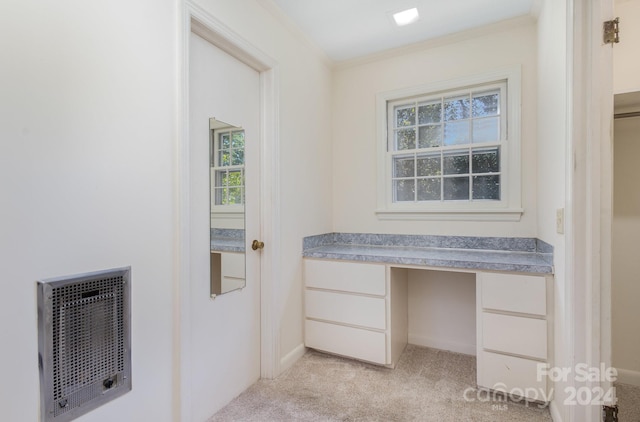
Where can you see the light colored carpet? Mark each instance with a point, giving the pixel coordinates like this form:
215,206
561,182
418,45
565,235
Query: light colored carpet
427,385
628,402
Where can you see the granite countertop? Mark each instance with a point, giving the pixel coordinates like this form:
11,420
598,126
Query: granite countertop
227,240
526,255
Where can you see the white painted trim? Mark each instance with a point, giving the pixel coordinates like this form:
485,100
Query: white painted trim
196,18
292,357
588,287
556,416
182,315
628,376
452,215
418,340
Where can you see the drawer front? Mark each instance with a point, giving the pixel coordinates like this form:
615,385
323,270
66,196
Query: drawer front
512,375
518,335
514,293
345,276
346,308
346,341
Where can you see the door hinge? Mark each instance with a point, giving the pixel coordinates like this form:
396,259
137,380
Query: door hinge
611,31
610,413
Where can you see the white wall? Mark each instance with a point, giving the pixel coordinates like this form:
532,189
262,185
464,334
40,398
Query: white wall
305,147
442,310
626,63
87,142
551,144
625,263
354,125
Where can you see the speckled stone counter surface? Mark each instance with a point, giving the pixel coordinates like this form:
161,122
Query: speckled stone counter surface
526,255
227,240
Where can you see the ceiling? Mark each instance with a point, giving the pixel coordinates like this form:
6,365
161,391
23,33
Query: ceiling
347,29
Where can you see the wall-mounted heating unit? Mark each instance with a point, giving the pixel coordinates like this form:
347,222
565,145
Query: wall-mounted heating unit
84,342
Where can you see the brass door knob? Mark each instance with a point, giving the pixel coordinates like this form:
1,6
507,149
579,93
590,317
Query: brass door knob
257,245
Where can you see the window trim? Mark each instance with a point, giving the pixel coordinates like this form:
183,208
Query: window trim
509,208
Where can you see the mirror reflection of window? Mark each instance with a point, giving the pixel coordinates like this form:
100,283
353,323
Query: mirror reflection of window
227,161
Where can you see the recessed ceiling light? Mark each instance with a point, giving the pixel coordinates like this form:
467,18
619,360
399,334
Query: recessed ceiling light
406,17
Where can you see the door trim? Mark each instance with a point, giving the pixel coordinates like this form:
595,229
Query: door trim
588,211
196,19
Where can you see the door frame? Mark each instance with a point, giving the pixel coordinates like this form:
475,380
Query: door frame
589,174
196,19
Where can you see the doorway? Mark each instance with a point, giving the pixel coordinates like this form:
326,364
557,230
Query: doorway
625,266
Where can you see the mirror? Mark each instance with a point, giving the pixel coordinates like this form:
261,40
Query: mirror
226,203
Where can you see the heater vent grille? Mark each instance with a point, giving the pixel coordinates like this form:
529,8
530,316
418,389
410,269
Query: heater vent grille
85,349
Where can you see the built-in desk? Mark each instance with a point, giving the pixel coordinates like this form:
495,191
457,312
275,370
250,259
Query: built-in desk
356,300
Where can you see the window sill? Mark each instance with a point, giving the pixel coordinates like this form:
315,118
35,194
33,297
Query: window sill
509,214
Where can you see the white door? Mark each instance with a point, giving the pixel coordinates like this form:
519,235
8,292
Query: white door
225,332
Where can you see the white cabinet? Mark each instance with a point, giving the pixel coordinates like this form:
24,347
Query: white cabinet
360,310
348,310
514,333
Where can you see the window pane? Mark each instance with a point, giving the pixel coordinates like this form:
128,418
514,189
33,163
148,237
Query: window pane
237,141
225,141
237,157
428,165
430,113
456,108
455,162
404,190
405,139
221,178
224,158
456,133
486,130
456,188
486,161
429,136
234,178
429,189
235,196
403,167
486,187
405,116
486,104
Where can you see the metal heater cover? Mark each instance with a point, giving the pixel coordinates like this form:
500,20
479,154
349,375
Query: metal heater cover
84,341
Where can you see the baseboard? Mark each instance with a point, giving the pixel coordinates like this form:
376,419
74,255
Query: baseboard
292,357
627,376
555,412
467,349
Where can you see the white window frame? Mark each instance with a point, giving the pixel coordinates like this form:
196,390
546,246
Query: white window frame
223,211
509,207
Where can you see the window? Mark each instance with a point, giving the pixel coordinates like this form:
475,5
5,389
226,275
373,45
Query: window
227,167
451,149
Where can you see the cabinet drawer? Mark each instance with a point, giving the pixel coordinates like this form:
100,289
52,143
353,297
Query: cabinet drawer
518,335
346,341
514,293
506,373
345,276
346,308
